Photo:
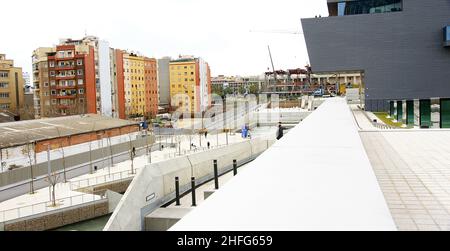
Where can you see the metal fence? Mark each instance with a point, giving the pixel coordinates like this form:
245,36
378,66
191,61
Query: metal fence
110,177
43,207
382,126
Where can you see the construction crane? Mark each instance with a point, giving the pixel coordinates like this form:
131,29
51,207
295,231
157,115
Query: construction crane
278,31
273,67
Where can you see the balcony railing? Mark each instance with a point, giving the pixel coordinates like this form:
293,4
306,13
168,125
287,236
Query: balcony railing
66,96
66,86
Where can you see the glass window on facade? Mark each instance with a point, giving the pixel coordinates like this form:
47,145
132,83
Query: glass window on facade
391,109
369,7
425,113
410,112
447,35
399,111
445,113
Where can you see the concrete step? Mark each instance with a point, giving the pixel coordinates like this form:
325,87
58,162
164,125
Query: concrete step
164,218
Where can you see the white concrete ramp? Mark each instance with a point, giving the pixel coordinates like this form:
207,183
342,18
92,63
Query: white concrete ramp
318,177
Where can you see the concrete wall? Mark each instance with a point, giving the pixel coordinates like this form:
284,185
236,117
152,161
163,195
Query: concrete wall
164,218
154,186
58,218
272,117
23,174
113,200
352,94
119,186
401,53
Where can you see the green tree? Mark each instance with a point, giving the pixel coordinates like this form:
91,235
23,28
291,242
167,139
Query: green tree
227,90
254,89
217,89
241,89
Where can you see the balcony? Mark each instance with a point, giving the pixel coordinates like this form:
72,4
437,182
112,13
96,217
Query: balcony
59,96
63,106
59,87
65,67
59,77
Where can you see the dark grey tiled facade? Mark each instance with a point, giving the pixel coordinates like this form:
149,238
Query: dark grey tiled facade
401,53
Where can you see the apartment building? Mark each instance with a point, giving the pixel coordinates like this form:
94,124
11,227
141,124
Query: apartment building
11,88
135,85
87,76
71,71
41,82
237,84
103,83
190,84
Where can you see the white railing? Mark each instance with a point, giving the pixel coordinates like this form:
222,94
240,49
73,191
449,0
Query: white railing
42,207
77,184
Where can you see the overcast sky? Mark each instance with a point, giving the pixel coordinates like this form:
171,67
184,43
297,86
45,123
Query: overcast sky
218,31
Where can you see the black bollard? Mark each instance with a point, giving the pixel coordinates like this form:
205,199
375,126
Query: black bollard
177,191
193,191
235,167
216,175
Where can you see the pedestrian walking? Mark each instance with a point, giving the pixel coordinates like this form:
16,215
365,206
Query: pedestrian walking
280,131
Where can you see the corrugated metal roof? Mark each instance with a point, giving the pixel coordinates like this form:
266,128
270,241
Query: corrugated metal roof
22,132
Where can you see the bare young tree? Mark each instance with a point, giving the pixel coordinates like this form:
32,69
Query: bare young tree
110,150
30,151
52,179
91,170
61,149
27,112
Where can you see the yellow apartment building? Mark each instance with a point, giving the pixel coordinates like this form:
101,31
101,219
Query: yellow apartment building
134,84
183,75
11,87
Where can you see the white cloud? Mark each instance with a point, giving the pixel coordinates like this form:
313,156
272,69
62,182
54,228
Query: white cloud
216,30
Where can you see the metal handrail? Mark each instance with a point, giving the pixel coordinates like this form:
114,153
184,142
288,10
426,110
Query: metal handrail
382,126
120,175
18,211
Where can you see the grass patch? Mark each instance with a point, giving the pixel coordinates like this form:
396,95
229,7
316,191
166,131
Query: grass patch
383,116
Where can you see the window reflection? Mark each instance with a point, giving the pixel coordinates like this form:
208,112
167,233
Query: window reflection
447,34
369,7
